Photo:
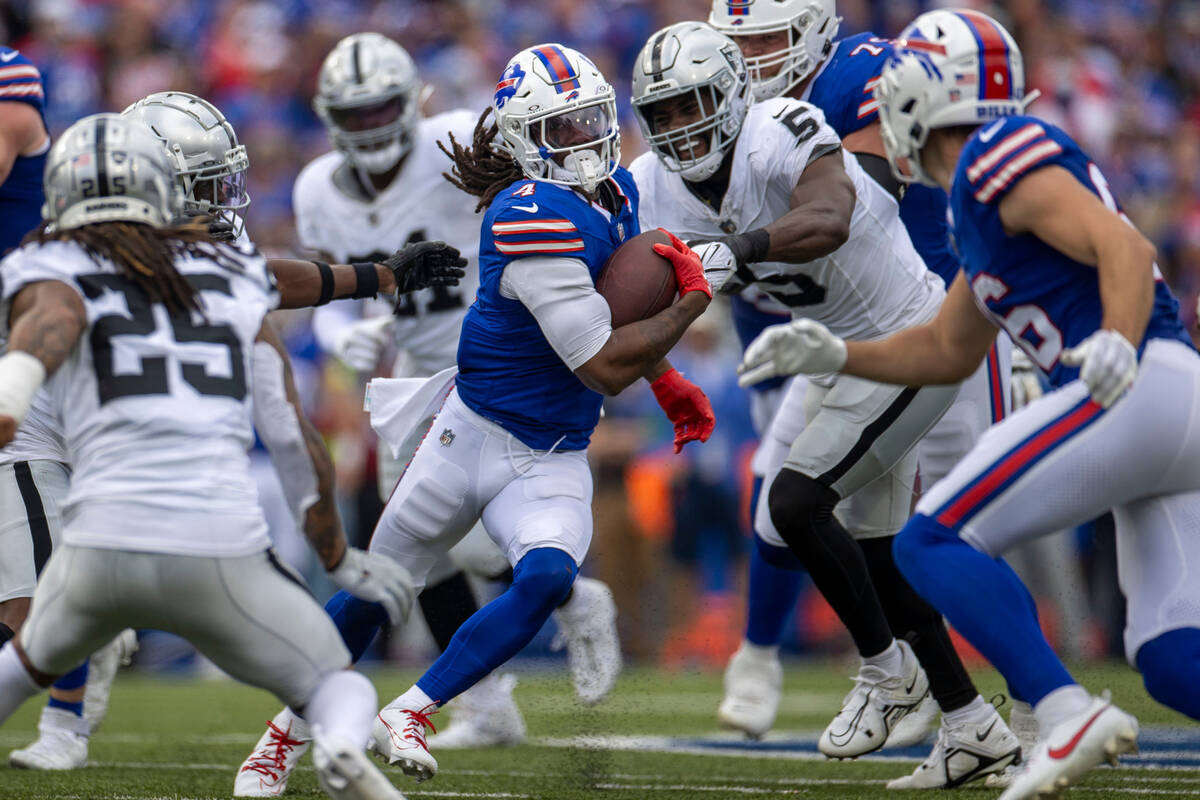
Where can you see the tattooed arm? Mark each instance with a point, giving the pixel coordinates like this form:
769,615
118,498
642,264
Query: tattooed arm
297,450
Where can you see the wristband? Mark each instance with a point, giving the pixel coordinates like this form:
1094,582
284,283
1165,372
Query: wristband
750,247
366,280
21,375
326,282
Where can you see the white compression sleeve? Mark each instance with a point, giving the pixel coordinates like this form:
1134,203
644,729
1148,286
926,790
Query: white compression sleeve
559,292
21,375
277,425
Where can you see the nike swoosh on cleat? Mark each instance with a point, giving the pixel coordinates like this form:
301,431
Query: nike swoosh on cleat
531,208
1060,753
911,685
981,736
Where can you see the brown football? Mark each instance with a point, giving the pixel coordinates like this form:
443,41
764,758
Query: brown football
636,281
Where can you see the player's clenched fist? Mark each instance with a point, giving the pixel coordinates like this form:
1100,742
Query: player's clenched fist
689,272
801,345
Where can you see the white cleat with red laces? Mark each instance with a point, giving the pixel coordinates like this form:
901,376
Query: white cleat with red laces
1098,733
265,773
398,736
345,773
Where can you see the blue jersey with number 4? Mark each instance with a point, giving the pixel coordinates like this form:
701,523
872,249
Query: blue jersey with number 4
844,89
508,372
1045,300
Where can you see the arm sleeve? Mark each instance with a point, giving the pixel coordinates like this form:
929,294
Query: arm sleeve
574,318
277,426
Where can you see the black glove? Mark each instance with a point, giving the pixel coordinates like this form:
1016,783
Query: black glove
423,264
220,230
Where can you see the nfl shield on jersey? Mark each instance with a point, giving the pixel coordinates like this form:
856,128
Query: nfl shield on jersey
508,372
148,395
418,205
847,290
1046,301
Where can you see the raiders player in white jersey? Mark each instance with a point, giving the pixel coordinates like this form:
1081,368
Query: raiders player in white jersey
153,335
786,209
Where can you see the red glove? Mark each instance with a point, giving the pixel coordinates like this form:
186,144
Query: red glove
686,406
689,271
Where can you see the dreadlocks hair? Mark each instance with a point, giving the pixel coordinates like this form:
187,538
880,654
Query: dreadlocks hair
146,255
481,170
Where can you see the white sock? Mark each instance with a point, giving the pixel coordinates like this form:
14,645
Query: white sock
761,652
976,711
414,698
343,707
16,684
57,719
890,660
1060,704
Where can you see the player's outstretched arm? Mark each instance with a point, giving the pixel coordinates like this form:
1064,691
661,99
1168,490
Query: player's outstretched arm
1055,207
47,319
819,219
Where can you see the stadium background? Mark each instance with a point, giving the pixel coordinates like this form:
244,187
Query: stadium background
1122,76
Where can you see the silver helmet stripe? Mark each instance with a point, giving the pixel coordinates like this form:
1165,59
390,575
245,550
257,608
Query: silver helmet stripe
102,157
357,63
656,66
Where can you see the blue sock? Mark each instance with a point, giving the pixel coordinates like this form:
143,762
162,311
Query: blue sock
1170,667
773,591
357,621
75,679
985,601
498,631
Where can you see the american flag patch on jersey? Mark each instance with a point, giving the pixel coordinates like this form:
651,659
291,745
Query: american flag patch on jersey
1008,158
550,236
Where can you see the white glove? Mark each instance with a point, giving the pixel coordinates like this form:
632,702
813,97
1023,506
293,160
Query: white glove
720,266
360,343
801,345
1108,364
1025,384
378,579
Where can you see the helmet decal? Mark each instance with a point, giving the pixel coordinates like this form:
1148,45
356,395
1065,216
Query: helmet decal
562,74
995,69
509,83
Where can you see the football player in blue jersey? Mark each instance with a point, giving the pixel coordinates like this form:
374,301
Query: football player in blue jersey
792,51
1049,257
536,355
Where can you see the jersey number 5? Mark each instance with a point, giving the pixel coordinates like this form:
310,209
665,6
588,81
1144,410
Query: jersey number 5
152,379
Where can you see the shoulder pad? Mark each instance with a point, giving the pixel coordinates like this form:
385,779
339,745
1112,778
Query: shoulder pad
999,153
19,78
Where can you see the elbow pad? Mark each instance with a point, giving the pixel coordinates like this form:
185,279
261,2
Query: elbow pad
275,419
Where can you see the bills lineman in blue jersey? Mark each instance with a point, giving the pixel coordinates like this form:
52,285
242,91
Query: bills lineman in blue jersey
1049,257
33,469
536,354
791,49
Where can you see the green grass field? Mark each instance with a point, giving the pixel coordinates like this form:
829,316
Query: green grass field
655,738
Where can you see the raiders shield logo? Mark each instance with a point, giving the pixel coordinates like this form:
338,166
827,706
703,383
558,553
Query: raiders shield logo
447,437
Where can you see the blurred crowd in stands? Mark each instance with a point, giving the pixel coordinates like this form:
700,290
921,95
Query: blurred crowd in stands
1122,76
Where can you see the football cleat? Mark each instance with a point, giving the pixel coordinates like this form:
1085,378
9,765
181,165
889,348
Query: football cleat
753,689
62,743
102,669
398,737
345,773
587,625
1024,725
964,753
484,716
1100,732
874,706
265,773
916,727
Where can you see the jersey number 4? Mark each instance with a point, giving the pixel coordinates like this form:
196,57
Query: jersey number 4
152,377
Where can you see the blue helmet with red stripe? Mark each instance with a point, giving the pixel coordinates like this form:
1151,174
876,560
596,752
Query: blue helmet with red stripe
557,116
949,67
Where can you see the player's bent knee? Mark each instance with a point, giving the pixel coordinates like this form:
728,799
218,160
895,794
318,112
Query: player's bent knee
920,533
1170,667
778,557
545,575
798,504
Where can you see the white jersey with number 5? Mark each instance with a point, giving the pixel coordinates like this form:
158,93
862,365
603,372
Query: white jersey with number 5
156,406
871,286
419,205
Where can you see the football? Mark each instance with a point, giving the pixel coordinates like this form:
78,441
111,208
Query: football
636,281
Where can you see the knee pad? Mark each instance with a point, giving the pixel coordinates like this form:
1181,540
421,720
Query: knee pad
798,504
779,557
1170,667
544,576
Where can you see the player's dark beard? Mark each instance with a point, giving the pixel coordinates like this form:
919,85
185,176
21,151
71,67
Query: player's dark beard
711,191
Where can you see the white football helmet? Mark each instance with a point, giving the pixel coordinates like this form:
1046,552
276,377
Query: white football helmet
947,68
558,117
811,26
105,168
690,58
211,164
368,97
